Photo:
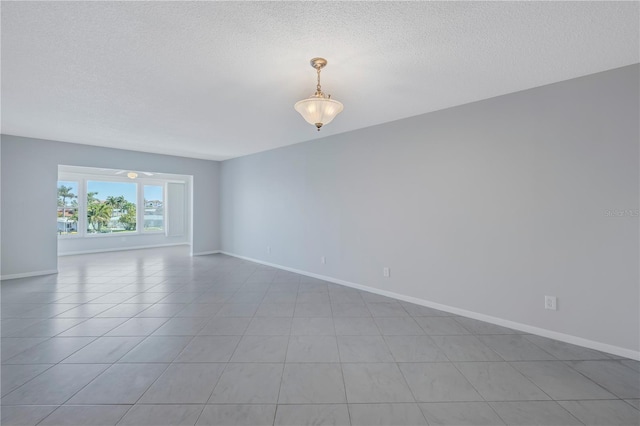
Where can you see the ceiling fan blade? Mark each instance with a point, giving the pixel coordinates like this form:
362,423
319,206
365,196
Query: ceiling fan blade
120,172
147,173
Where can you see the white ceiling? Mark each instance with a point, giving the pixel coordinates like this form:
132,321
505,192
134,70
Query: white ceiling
217,80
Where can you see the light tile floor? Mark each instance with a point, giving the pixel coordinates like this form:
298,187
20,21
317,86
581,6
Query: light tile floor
155,337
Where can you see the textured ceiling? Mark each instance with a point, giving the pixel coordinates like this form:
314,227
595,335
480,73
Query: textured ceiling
217,80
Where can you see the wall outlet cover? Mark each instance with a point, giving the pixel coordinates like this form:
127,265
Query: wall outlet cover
551,302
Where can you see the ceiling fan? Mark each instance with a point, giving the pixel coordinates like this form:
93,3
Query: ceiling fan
119,172
130,174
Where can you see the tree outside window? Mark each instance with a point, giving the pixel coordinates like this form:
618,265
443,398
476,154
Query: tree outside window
67,207
111,207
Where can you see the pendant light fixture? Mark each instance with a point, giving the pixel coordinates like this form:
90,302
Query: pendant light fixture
318,109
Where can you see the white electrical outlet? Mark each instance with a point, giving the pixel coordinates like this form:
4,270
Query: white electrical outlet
386,272
323,260
269,249
550,302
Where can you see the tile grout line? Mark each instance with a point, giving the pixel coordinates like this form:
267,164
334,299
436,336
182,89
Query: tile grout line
199,287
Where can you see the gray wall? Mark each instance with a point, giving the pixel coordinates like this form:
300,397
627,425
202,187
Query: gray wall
485,207
29,180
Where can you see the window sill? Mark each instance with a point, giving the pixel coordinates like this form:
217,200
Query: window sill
110,235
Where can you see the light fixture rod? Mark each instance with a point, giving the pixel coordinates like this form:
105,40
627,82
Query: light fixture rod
318,64
318,87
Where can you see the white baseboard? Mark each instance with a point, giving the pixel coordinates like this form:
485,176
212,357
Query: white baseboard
204,253
591,344
28,274
73,253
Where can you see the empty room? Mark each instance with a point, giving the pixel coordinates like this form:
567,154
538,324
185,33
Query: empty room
320,213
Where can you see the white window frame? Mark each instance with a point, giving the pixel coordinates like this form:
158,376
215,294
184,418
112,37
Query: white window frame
83,178
80,191
164,205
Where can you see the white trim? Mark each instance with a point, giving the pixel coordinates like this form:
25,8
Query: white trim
72,253
28,274
145,180
575,340
191,212
204,253
111,234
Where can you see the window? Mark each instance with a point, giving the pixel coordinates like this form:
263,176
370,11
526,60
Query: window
102,203
67,207
111,207
153,208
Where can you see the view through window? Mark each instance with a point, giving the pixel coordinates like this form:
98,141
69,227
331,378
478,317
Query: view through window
108,202
153,208
111,207
67,207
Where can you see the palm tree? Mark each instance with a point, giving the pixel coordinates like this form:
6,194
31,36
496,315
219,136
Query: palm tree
129,218
64,192
117,203
98,214
91,198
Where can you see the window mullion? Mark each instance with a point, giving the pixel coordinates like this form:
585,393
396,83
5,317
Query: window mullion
82,208
140,208
165,216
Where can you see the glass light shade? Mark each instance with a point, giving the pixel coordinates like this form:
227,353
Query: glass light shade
318,110
132,175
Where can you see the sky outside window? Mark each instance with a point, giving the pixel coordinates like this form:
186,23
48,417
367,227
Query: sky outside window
114,189
69,184
152,192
